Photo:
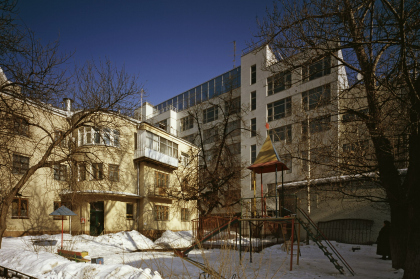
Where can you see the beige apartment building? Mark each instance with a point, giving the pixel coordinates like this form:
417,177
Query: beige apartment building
116,173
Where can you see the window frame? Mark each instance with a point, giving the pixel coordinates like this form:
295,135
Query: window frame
253,151
307,70
161,213
281,134
18,165
253,74
19,208
316,97
60,172
279,82
208,111
114,172
187,123
185,214
99,136
253,100
286,103
97,171
128,215
253,127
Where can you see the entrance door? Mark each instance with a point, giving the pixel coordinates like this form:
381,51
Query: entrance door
96,217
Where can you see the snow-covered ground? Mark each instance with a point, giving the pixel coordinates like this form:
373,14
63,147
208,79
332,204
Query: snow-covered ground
124,260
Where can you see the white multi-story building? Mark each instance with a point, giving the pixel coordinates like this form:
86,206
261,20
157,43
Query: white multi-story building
301,106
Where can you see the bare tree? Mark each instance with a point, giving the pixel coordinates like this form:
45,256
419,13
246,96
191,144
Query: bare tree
214,180
378,43
36,136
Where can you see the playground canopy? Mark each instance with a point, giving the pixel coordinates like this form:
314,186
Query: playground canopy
267,160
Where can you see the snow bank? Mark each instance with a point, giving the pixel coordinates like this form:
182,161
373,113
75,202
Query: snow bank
170,239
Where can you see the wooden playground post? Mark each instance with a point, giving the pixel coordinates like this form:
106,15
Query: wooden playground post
298,248
291,244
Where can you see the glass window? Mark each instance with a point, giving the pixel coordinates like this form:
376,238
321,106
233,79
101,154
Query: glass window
129,211
283,134
218,85
107,136
253,74
60,172
233,106
185,215
319,124
162,213
97,136
114,173
210,114
279,82
20,208
227,83
254,100
192,97
198,94
211,89
279,109
116,138
233,128
204,95
20,164
187,123
316,97
210,135
97,171
318,69
81,170
253,127
253,153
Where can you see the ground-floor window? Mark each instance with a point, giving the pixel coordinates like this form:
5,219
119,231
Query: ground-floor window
185,215
129,211
162,212
20,208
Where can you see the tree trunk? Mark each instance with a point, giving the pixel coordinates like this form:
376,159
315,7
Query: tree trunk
3,218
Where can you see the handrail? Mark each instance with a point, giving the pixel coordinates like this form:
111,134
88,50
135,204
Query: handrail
312,223
6,269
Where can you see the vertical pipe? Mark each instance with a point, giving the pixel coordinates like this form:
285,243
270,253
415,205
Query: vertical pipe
62,231
262,195
276,193
282,193
255,194
291,244
240,242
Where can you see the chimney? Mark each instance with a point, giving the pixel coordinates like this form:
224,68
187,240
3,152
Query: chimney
67,104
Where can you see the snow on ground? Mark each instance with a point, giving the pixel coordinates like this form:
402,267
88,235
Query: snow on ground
124,259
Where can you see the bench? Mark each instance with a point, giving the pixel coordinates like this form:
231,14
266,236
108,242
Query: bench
74,256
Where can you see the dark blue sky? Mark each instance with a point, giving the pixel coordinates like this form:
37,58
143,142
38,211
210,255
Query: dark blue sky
171,45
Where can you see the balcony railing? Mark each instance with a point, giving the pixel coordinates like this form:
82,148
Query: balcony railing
156,156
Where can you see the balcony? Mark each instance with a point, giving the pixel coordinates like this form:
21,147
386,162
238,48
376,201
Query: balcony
147,154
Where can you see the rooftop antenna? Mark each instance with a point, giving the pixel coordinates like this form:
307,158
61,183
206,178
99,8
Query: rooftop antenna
141,101
234,53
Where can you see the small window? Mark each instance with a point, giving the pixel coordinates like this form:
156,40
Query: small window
161,183
97,171
254,100
281,134
57,136
233,106
253,74
318,69
253,127
210,114
253,153
185,215
129,211
280,109
60,172
114,173
20,208
316,97
81,171
187,123
21,126
20,164
279,82
161,213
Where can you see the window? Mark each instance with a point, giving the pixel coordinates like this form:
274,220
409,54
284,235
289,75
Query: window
349,117
20,208
135,141
21,126
114,173
254,100
271,189
253,127
99,136
358,147
316,97
129,210
234,148
81,171
161,183
20,164
57,135
191,138
161,145
162,212
318,69
97,171
210,114
283,134
233,106
187,123
287,160
304,160
60,172
210,135
163,124
253,153
185,215
279,82
279,109
319,124
233,128
253,74
185,159
321,155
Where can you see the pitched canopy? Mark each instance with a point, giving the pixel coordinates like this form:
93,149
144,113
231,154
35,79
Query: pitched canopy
267,159
63,211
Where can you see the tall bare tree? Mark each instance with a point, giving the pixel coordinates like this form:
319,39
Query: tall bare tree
379,42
